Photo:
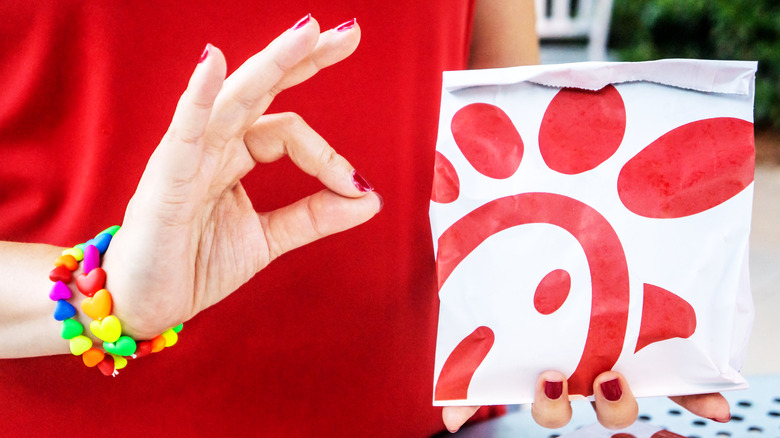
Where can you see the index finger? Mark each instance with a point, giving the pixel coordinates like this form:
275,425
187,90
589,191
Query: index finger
292,58
247,92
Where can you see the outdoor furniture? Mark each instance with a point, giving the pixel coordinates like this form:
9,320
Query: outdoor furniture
575,20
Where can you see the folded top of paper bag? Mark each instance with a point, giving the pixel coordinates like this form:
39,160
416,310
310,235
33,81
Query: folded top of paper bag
729,77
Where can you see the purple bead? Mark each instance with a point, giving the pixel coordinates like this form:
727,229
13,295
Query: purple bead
60,291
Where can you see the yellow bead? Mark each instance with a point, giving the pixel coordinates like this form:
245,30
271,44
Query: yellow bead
79,344
119,361
75,253
170,337
109,329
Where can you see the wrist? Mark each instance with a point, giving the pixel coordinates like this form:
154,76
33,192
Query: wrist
103,342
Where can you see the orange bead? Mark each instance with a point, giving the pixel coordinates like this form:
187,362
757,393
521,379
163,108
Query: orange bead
68,261
158,343
92,357
99,305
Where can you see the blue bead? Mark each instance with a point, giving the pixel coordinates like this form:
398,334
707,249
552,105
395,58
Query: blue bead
64,310
101,242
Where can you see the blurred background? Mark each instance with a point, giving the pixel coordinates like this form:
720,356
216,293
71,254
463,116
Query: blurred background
709,29
642,30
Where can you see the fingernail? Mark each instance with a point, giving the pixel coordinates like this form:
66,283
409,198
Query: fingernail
346,25
205,54
381,201
302,22
553,390
611,390
360,182
720,420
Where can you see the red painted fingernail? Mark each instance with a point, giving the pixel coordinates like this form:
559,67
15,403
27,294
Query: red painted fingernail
360,182
205,54
719,420
302,22
346,25
553,390
611,390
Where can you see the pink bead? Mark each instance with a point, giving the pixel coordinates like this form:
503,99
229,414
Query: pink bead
91,258
60,291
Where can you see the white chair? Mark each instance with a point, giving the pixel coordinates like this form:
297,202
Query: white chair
576,19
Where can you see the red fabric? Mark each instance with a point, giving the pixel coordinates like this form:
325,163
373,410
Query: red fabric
334,339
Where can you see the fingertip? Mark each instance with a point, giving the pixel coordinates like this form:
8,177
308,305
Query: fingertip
455,416
551,407
210,70
616,407
713,406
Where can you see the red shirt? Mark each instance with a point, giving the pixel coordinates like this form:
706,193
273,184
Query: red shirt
333,339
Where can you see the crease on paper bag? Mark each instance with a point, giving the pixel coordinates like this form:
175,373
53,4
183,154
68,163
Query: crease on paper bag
727,77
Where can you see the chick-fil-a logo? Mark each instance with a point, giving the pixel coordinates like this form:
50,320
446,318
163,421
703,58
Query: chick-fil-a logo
687,170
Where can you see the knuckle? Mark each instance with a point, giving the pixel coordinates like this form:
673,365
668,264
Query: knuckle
291,120
245,101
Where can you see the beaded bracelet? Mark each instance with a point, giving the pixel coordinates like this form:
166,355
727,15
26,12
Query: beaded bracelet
97,305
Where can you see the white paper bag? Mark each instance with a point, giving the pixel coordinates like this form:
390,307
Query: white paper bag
589,217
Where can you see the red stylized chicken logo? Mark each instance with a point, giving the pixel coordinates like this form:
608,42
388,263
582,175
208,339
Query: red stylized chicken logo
689,169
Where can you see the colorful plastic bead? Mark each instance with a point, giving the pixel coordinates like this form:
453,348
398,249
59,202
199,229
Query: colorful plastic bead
170,337
90,283
61,273
60,291
92,357
124,346
143,348
109,329
106,366
79,344
98,306
71,328
68,261
91,259
119,361
64,310
158,343
76,253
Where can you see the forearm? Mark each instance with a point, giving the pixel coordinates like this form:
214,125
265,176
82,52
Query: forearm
27,325
504,34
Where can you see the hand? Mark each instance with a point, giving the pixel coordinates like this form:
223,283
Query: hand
190,236
614,403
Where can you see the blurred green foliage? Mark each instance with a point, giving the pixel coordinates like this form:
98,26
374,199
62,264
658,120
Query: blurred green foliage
706,29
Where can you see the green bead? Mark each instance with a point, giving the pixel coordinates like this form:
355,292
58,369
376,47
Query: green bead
124,346
80,246
110,230
178,328
71,328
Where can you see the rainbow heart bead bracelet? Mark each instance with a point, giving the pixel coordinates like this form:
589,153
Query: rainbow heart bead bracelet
116,347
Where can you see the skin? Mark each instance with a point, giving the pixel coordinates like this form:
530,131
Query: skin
191,212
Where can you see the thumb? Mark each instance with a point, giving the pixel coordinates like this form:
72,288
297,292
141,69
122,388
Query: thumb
455,416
